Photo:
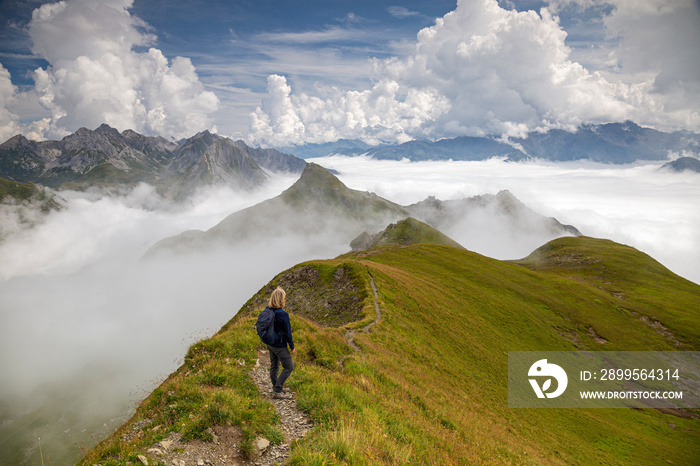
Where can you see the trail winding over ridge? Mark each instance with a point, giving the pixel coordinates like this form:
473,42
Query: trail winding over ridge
295,423
350,336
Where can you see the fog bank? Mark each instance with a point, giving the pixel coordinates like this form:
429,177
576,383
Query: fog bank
87,329
653,211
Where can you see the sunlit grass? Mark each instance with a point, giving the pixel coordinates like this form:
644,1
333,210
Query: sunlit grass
430,383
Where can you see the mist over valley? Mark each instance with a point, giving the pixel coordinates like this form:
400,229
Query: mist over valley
164,165
85,318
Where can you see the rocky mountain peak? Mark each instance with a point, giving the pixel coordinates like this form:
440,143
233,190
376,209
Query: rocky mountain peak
108,157
15,142
107,130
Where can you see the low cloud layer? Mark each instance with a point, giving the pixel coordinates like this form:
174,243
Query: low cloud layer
651,210
79,305
97,74
87,328
486,70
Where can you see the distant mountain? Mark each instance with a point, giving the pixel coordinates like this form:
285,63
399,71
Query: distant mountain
608,143
461,148
341,146
449,215
682,164
106,157
319,204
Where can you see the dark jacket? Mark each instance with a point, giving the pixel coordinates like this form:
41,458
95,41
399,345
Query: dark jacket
283,329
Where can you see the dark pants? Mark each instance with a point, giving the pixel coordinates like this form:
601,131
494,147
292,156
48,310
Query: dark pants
277,356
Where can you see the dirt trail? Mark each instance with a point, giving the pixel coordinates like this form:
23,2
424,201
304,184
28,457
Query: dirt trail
350,336
224,447
295,424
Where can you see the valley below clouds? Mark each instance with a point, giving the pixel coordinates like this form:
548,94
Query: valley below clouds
84,315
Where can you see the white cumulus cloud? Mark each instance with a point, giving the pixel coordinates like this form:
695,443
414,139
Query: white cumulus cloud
96,75
486,70
659,44
8,120
383,112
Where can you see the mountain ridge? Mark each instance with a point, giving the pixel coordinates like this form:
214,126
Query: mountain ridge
683,164
106,157
428,383
615,143
320,204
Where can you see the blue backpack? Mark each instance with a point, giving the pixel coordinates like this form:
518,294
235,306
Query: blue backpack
265,326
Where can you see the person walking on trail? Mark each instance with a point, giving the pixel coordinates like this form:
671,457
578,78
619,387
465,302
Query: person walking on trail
279,353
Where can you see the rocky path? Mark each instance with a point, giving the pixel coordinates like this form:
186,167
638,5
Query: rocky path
224,447
295,424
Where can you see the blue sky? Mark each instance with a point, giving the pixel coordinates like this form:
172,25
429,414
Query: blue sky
281,72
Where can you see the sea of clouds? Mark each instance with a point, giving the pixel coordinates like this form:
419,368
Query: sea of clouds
79,304
639,205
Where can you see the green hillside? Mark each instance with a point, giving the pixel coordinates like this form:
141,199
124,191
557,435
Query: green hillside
429,383
12,191
404,232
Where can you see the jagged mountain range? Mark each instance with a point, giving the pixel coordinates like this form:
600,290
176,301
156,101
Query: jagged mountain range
106,157
109,158
319,205
609,143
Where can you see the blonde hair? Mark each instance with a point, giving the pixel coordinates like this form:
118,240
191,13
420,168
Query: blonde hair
277,298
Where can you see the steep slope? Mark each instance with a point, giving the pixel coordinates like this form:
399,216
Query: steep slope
208,159
271,159
641,286
317,206
13,192
428,383
23,205
407,231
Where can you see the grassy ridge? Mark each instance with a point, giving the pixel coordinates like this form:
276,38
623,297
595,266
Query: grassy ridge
430,385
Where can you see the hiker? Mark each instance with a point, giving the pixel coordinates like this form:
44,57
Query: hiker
278,351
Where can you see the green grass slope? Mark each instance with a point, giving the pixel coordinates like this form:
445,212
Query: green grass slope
404,232
12,191
429,385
